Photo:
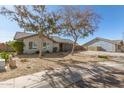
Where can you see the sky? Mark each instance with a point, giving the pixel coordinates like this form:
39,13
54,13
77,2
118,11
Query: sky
110,27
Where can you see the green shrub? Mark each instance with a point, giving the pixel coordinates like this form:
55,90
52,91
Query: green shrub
103,56
4,55
18,46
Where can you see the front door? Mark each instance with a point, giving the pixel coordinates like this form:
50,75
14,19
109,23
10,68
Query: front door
60,47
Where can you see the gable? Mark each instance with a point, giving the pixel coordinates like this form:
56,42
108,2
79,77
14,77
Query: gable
91,42
104,46
97,40
20,35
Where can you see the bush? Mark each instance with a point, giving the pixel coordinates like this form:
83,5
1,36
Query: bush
18,46
4,55
103,56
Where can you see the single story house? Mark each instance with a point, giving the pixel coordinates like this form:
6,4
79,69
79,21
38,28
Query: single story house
102,44
32,43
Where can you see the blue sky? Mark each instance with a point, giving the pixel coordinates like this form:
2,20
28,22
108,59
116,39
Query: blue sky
111,26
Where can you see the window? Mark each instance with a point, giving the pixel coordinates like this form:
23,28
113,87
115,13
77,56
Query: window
44,44
32,45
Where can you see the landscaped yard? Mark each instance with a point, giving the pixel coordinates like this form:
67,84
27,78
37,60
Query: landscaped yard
29,64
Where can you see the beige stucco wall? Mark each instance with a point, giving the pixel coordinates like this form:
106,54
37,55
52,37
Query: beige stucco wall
38,41
105,45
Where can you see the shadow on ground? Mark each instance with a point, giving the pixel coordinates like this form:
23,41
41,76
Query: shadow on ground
79,76
45,55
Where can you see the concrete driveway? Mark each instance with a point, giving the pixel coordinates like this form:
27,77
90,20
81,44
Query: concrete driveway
116,54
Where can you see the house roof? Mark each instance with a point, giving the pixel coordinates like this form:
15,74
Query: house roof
102,39
23,35
2,46
61,40
20,35
118,41
5,47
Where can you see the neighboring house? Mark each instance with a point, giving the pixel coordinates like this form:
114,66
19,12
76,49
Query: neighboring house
32,43
105,45
5,47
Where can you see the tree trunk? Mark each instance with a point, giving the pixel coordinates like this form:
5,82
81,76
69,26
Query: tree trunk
72,51
73,48
40,48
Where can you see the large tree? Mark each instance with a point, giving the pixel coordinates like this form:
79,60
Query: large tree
78,23
34,18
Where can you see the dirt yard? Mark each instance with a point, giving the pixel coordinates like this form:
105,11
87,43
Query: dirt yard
28,64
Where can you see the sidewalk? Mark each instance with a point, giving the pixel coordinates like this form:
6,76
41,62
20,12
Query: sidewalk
77,75
45,79
21,82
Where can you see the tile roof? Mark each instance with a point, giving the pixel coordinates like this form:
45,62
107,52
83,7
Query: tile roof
22,35
61,40
5,47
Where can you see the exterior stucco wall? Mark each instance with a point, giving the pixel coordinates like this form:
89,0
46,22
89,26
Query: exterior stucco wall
38,41
105,45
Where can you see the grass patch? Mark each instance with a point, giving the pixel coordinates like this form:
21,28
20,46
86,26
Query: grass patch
24,60
11,53
103,57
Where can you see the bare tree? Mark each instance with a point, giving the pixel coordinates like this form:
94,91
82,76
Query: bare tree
34,18
78,23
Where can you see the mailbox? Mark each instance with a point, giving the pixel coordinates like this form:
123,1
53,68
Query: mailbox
2,64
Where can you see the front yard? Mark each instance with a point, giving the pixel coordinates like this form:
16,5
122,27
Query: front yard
29,64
